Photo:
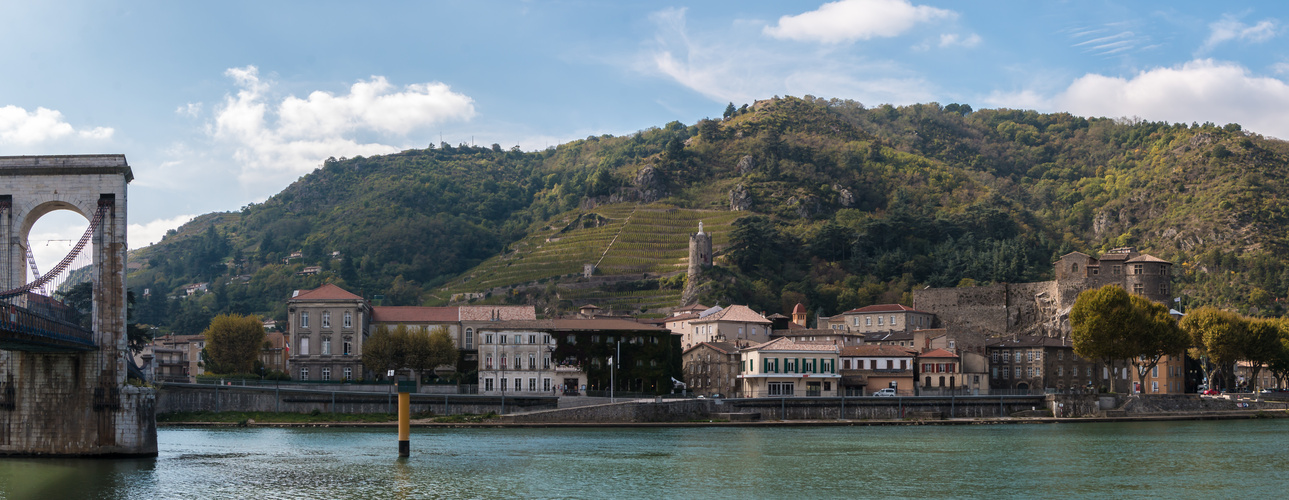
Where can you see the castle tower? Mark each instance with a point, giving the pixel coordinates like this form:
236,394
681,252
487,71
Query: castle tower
700,257
799,314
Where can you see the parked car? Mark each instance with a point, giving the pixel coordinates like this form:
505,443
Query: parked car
887,392
1211,392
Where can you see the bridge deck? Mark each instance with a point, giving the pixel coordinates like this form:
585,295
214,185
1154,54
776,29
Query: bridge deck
24,330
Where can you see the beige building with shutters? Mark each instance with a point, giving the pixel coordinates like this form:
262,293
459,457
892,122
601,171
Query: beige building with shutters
783,368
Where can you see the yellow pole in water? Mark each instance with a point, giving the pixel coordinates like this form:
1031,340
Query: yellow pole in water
404,418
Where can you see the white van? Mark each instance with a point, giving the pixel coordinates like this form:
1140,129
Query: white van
888,392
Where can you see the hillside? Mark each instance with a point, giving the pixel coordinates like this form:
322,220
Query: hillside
841,206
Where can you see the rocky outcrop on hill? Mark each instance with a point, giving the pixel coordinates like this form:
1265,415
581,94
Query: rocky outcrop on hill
740,198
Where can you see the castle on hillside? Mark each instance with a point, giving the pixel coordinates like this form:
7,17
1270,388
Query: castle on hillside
1043,308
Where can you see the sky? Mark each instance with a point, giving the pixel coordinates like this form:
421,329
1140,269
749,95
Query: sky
217,105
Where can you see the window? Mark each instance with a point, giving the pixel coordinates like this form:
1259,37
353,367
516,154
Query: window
1007,356
879,321
304,346
546,384
304,319
501,338
503,362
349,319
1060,371
1006,372
487,362
546,363
532,384
994,356
854,321
304,374
1029,372
1116,269
868,321
1074,268
519,384
518,339
503,382
326,346
487,338
1017,372
326,374
892,320
1154,372
326,319
1060,355
349,348
487,384
1138,269
595,339
518,363
781,388
532,362
1163,288
1029,356
548,340
1154,387
349,373
1138,288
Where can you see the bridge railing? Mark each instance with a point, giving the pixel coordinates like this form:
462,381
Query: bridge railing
20,319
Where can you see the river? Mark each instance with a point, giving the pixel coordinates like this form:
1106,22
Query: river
1193,459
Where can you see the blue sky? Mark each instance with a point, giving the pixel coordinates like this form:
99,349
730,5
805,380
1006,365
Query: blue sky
221,104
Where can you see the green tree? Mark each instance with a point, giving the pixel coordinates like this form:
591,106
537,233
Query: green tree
730,110
383,350
233,342
1216,336
1261,346
1157,336
430,350
1100,321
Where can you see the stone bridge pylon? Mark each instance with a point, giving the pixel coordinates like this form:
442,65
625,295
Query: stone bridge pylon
72,402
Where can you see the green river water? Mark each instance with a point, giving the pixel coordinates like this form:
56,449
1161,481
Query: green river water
1199,459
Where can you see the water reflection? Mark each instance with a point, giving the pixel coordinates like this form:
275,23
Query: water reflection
1179,459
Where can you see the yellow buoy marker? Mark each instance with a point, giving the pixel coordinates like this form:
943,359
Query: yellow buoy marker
405,389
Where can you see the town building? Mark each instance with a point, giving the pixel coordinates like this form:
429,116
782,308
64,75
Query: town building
783,368
274,355
515,358
881,318
712,368
869,368
327,328
1038,364
940,372
736,323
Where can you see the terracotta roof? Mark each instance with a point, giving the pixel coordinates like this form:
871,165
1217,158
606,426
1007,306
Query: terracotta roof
697,308
776,316
414,314
1076,253
890,336
937,353
735,314
1148,258
604,324
786,344
884,351
326,292
682,317
1114,256
497,313
801,330
721,347
799,309
881,308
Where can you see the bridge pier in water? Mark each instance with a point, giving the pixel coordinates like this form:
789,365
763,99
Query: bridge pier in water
60,394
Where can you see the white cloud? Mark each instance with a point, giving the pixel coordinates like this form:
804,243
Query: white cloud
1229,28
191,110
142,235
24,128
1200,90
737,67
851,20
954,39
279,139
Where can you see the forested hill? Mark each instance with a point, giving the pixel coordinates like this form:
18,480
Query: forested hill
844,206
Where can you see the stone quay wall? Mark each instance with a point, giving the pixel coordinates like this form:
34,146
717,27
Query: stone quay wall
835,408
199,397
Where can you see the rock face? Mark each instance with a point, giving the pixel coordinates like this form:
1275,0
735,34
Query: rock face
847,198
650,185
806,207
746,164
740,198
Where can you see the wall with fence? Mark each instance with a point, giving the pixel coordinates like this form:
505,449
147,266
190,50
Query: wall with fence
200,397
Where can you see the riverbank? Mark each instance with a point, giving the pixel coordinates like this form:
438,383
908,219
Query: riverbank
492,423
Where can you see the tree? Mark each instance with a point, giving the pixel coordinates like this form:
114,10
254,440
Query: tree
1260,346
427,351
383,350
1216,336
1111,325
233,342
730,110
